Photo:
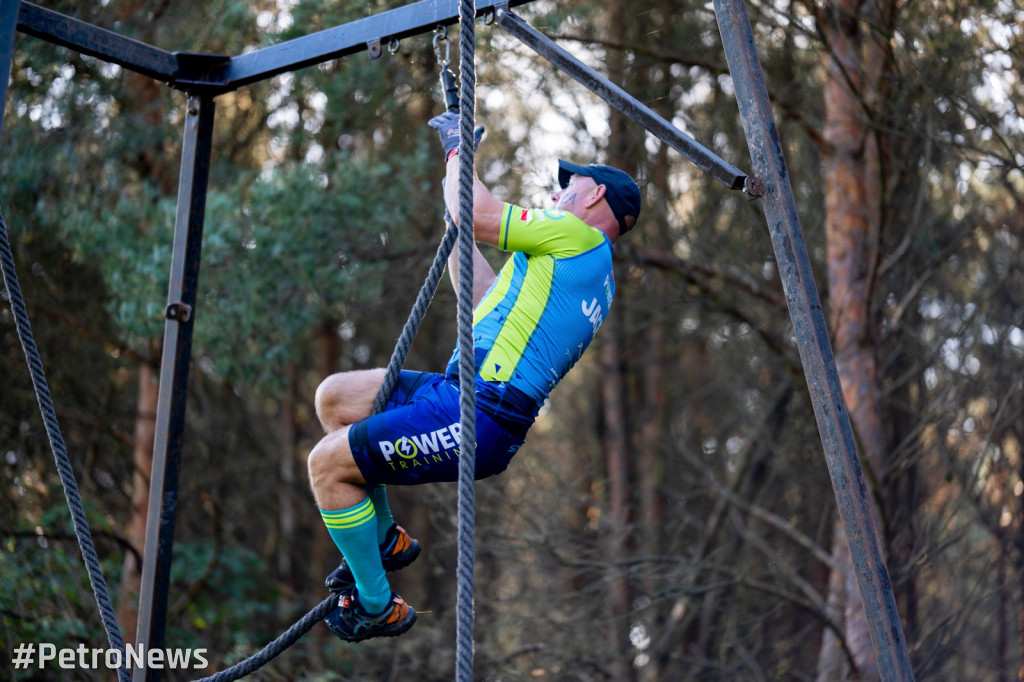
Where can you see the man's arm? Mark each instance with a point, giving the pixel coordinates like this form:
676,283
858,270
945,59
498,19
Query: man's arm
486,209
483,273
486,226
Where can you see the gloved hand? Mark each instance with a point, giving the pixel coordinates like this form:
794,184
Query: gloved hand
447,126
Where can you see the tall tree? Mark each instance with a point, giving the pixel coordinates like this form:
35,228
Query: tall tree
856,68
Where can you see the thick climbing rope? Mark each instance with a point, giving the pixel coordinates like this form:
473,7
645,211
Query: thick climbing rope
467,356
60,453
419,309
398,356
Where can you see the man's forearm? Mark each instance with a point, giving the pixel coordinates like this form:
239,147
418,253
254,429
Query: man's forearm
483,273
451,188
486,209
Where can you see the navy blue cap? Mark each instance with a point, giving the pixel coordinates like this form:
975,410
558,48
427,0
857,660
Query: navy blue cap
621,192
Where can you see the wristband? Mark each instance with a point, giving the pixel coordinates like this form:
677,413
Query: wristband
454,152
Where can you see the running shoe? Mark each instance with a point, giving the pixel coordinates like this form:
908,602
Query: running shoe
396,552
350,621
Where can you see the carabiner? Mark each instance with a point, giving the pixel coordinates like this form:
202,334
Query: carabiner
441,38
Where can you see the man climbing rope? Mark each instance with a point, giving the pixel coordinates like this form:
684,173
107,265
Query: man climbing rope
532,322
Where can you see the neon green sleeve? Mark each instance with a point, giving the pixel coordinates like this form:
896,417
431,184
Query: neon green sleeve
545,232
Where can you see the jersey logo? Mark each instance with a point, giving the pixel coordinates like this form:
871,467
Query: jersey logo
593,313
552,214
524,216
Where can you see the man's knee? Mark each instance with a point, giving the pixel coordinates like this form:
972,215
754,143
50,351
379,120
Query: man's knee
321,463
328,402
331,461
345,398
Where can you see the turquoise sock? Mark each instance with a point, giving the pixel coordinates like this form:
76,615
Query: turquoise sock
354,531
379,497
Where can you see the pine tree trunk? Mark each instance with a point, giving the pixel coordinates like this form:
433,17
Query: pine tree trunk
286,484
323,551
852,201
135,532
615,446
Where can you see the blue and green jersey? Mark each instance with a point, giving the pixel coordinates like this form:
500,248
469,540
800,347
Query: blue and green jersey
542,311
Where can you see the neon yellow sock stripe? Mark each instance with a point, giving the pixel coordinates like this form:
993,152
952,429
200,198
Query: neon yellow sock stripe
351,517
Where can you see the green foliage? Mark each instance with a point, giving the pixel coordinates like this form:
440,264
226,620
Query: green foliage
298,247
53,601
230,593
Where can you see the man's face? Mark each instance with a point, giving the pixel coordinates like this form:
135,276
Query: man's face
571,198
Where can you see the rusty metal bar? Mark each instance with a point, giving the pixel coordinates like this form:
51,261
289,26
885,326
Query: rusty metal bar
812,339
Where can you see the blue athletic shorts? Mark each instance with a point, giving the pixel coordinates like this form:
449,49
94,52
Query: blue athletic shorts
416,439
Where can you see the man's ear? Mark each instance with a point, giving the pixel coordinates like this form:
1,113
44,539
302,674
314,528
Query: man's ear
595,196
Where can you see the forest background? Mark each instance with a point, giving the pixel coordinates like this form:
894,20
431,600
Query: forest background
671,517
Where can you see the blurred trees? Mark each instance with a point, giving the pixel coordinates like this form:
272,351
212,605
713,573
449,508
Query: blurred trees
671,516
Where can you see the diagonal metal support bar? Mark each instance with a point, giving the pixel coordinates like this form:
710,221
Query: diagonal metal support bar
812,340
170,417
706,160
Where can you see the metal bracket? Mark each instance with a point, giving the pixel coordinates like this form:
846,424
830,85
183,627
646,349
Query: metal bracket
373,46
754,187
194,69
180,312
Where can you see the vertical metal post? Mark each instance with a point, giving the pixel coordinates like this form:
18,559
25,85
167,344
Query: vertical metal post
812,339
8,27
170,419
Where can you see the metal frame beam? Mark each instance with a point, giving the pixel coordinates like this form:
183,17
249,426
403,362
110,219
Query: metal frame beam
812,340
347,39
177,350
729,175
8,27
94,41
196,72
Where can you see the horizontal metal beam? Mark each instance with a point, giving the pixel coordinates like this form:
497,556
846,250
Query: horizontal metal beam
346,39
83,37
706,160
214,73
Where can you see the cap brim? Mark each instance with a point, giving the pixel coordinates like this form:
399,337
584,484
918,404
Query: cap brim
566,170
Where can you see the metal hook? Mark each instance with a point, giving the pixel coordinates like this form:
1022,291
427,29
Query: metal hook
441,38
489,17
393,45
